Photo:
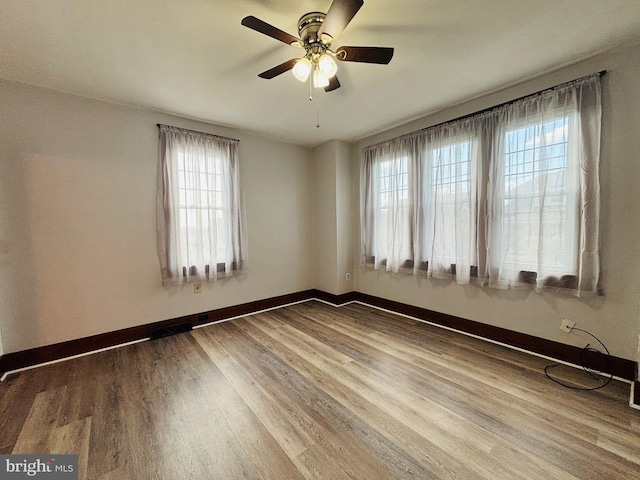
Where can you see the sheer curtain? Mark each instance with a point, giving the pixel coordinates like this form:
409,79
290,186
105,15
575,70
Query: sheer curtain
450,197
201,227
418,203
508,198
544,192
392,227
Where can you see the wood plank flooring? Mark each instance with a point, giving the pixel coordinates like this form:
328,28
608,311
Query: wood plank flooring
317,392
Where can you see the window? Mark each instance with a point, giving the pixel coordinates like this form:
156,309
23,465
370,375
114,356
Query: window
509,196
201,232
451,224
394,233
540,197
394,182
201,208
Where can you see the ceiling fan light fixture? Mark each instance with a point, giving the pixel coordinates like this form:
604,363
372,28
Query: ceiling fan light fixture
327,65
302,69
319,79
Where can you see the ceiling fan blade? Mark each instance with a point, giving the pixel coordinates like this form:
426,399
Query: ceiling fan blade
338,17
269,30
382,55
277,70
333,84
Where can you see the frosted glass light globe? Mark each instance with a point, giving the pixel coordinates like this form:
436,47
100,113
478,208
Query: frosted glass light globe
319,79
302,69
327,65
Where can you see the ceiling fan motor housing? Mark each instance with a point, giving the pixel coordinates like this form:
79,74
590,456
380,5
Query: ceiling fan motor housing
308,27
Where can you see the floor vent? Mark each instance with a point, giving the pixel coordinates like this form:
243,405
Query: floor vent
171,330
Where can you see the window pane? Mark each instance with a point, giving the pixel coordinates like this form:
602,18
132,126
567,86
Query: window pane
450,206
451,167
538,221
202,220
393,226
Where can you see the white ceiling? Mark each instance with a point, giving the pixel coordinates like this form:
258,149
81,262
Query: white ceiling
194,59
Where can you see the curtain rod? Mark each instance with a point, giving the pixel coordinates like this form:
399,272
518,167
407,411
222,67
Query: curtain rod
186,130
488,109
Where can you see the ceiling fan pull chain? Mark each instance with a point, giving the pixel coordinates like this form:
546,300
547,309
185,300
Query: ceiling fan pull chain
317,111
311,87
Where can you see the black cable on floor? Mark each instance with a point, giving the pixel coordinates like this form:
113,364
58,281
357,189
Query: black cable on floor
592,373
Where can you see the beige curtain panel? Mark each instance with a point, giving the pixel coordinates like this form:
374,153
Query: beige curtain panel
200,219
507,198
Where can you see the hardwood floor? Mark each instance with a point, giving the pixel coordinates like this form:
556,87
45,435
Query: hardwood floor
314,391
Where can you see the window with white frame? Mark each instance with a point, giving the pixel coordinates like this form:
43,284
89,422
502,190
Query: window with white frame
449,200
201,232
540,197
394,232
509,196
202,219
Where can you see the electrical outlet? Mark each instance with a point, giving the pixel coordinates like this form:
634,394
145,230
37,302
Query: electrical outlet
347,276
197,287
567,325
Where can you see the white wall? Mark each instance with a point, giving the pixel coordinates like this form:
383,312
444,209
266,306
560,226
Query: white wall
325,265
78,251
332,217
613,317
345,211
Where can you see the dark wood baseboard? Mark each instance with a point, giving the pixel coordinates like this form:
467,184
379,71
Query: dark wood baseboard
617,366
620,367
335,299
636,393
48,353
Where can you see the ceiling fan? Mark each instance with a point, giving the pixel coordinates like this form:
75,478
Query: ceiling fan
317,31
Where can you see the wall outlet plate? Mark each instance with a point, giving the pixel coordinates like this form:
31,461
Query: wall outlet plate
567,325
197,287
347,276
